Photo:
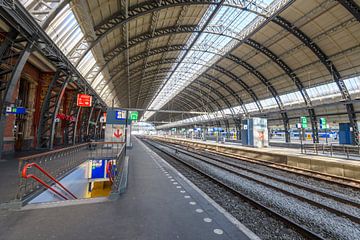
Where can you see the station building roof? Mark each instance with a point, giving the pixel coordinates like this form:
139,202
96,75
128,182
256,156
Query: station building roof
225,57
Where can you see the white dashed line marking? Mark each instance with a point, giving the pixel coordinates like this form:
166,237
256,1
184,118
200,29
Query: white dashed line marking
178,186
187,196
208,220
199,210
192,203
182,191
218,231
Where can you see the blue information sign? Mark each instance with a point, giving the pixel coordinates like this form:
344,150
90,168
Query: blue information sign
120,115
15,110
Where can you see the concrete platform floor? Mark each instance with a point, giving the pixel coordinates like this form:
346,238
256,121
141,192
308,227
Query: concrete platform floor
158,204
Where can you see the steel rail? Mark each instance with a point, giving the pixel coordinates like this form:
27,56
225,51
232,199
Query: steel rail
301,229
342,181
310,201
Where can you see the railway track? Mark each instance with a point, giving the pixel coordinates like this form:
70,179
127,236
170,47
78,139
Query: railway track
301,229
346,182
235,167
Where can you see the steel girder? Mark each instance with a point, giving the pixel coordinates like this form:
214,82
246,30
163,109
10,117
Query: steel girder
91,116
272,13
44,11
22,20
193,41
184,103
50,109
189,100
212,100
190,95
224,99
119,19
119,49
13,57
244,64
326,61
217,81
93,127
292,75
352,7
216,67
154,20
71,126
84,121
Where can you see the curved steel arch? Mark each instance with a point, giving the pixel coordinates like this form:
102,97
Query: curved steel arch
352,7
220,69
217,81
233,58
118,19
326,61
202,107
199,104
189,94
224,99
212,100
213,79
292,75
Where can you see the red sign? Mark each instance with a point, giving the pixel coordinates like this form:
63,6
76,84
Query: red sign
117,134
84,100
65,117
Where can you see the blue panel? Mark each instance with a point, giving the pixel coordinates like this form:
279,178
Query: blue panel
16,110
344,133
97,168
113,117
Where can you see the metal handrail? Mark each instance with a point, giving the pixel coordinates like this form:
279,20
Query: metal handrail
60,162
347,150
26,176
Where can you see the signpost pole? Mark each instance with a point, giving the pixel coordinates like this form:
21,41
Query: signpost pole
126,128
301,139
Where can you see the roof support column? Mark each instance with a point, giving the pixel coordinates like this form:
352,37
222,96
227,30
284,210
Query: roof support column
11,75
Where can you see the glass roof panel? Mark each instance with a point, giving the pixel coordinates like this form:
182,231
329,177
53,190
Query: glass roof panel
227,21
65,31
325,91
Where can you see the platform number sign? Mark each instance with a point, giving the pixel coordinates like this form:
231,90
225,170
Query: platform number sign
323,124
303,121
120,115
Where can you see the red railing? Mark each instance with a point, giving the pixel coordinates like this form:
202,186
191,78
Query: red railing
26,176
109,172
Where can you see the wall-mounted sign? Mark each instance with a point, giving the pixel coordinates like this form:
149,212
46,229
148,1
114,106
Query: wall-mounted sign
15,110
84,100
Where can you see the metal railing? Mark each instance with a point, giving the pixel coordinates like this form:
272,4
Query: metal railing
58,163
332,149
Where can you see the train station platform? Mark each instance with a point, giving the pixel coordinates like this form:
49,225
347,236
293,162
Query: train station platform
159,203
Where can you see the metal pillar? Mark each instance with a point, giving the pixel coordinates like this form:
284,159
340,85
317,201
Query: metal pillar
10,77
50,108
71,126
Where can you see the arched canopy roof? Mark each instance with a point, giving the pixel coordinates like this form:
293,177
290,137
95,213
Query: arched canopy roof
261,55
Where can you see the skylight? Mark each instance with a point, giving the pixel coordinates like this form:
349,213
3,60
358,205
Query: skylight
321,92
228,23
66,33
